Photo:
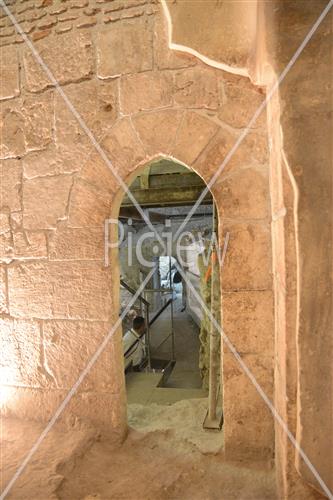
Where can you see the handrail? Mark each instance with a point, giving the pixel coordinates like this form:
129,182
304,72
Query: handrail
160,312
133,292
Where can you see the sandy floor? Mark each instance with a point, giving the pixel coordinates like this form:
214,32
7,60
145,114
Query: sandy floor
166,456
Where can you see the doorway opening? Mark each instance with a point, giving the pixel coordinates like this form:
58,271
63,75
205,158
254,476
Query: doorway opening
166,332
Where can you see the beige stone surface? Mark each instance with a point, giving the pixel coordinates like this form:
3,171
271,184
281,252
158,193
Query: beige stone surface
197,87
248,423
245,195
97,172
89,206
9,72
247,262
240,101
157,130
252,150
51,161
69,62
97,104
86,243
26,124
164,57
125,48
223,32
45,201
74,343
3,290
143,91
76,290
10,184
29,244
248,321
123,146
194,134
20,349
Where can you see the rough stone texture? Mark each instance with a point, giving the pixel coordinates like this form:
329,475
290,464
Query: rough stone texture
123,146
45,201
73,63
248,258
198,25
237,195
10,182
146,91
126,48
77,243
252,151
248,321
26,125
165,58
76,290
197,88
89,206
9,73
249,99
248,424
29,245
97,104
75,342
20,349
3,290
194,134
157,131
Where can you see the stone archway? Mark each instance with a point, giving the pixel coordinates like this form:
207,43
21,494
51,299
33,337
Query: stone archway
58,294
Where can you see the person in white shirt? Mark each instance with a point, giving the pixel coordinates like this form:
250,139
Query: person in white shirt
134,344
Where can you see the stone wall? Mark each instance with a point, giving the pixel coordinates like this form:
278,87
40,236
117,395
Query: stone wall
140,101
300,131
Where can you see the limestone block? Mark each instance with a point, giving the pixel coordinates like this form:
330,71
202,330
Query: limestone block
97,104
248,423
165,57
70,62
145,91
4,223
51,161
89,206
9,72
3,290
10,182
157,130
197,88
247,262
29,245
73,343
194,134
97,172
240,101
77,243
26,125
248,321
124,47
45,201
6,247
252,151
76,290
20,352
245,195
123,147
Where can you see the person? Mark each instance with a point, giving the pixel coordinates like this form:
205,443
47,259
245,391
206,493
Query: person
134,344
